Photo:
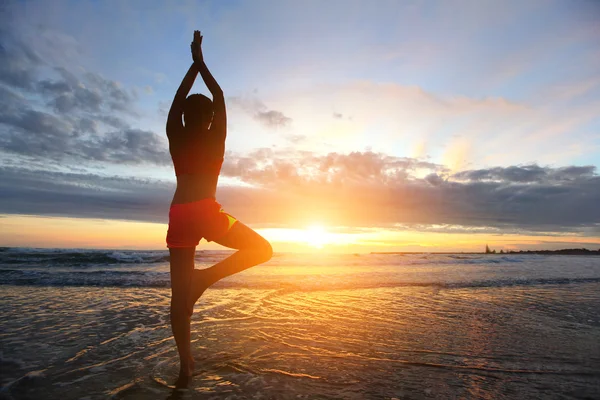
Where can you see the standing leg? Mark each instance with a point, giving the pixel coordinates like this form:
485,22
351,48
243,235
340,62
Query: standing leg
252,248
182,267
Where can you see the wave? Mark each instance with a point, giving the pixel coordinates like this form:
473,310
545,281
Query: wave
116,278
451,259
75,257
303,272
86,257
83,258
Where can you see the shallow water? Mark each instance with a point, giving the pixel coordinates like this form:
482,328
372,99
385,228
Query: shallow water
403,327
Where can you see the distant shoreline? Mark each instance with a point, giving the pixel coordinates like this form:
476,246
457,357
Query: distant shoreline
584,252
565,252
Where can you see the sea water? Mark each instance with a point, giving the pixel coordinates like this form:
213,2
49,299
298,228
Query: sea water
94,324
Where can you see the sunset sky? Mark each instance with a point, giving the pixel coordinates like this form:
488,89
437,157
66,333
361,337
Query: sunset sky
353,126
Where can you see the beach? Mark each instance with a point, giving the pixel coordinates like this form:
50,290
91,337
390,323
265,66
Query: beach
412,186
81,324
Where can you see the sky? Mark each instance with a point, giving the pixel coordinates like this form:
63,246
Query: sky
353,126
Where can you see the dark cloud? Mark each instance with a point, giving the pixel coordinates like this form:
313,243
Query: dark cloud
434,179
260,112
357,189
80,99
90,93
131,146
526,174
45,136
54,88
80,118
10,100
573,173
34,122
83,118
85,125
373,189
34,133
83,195
116,97
18,62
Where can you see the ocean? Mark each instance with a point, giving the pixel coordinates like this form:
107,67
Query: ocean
94,324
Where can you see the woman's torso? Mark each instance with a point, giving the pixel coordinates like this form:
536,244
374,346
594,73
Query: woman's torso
197,158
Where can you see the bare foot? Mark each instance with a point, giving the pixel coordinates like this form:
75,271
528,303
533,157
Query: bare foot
186,373
183,381
200,282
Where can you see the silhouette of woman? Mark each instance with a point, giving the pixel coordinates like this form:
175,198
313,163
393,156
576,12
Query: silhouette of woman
197,147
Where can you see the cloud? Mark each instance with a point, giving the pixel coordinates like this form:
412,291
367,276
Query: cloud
374,189
82,116
269,167
41,135
52,108
359,189
260,112
44,192
272,118
89,93
32,122
527,174
130,146
116,97
80,98
18,62
459,131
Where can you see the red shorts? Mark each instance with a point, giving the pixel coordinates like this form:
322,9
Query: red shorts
190,222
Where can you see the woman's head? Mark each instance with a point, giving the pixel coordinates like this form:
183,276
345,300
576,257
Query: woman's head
197,111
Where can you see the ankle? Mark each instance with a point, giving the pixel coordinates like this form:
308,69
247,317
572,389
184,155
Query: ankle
186,368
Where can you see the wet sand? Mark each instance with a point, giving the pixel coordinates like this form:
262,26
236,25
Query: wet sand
514,342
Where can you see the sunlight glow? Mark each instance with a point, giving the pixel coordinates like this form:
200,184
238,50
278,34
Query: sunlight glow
316,236
35,231
313,237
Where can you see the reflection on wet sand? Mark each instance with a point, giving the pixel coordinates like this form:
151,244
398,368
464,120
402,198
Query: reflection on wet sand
385,327
363,343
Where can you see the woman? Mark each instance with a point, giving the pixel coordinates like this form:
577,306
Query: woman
197,147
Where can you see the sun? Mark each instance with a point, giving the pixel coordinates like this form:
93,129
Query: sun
317,236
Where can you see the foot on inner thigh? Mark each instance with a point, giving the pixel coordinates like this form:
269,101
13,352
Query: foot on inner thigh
200,282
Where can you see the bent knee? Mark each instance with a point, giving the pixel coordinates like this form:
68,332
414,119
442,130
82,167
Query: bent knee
263,251
267,251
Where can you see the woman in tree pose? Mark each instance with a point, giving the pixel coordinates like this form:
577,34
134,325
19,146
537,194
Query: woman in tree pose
197,147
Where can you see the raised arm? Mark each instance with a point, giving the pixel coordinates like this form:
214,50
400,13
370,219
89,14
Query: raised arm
219,123
174,119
